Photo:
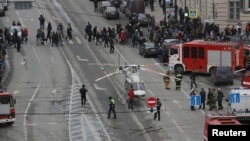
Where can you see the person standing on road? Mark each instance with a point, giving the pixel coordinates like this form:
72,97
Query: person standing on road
192,78
111,107
83,92
210,99
192,94
178,78
42,21
111,43
220,98
203,98
95,5
131,97
166,79
158,110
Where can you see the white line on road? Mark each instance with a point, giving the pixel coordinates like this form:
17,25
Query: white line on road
31,124
71,42
99,88
16,92
27,110
78,40
80,59
23,61
177,102
177,126
52,123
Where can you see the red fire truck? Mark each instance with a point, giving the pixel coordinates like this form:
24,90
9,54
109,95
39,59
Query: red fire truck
7,108
202,56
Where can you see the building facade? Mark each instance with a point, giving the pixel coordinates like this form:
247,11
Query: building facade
223,12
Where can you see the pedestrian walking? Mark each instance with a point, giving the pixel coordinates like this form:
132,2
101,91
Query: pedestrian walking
158,110
18,43
203,98
220,98
69,32
111,107
83,92
95,6
192,78
131,97
111,43
192,94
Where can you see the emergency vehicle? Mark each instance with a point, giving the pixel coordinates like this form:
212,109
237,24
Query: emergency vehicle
218,119
241,106
201,56
246,80
138,85
7,108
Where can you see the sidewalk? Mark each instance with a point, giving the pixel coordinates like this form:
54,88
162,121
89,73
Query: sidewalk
157,13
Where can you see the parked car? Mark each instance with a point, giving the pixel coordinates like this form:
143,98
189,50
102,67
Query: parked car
102,5
122,6
5,4
222,74
143,19
18,28
2,11
111,13
115,3
148,49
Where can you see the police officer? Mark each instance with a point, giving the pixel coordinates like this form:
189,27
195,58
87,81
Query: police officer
83,92
178,78
210,99
111,107
203,98
166,79
112,48
158,110
220,98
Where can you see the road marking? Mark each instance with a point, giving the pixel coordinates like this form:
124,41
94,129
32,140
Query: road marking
53,17
23,61
70,42
27,110
177,102
16,92
54,91
31,124
80,59
78,40
99,88
52,123
177,126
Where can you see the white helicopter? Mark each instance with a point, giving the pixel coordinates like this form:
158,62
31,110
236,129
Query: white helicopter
132,77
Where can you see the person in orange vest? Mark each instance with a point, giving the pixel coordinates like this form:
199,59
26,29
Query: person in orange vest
166,79
131,97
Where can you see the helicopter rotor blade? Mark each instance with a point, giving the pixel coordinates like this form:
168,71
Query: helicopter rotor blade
97,64
110,74
152,64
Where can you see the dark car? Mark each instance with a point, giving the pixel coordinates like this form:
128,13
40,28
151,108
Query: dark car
2,11
148,49
222,74
102,5
5,4
123,6
115,3
111,13
142,18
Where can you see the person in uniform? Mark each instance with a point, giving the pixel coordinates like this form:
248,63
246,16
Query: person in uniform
131,97
111,107
210,99
166,79
83,92
213,99
158,110
178,78
203,98
220,98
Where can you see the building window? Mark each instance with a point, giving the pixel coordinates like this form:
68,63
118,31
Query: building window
194,52
201,53
186,52
234,10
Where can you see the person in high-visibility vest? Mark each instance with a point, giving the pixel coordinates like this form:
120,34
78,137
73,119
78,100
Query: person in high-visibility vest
111,107
166,79
178,78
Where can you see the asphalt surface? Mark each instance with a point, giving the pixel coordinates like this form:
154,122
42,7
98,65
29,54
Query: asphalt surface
46,80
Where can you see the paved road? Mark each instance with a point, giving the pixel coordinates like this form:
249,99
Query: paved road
56,74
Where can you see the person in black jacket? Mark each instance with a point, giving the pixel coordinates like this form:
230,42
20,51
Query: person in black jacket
83,92
192,78
203,98
158,110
